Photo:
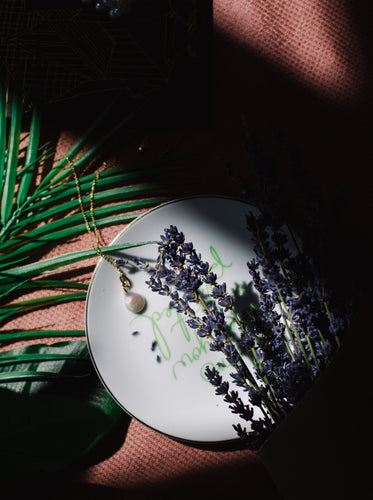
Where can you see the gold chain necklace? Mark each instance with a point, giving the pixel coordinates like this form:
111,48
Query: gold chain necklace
133,301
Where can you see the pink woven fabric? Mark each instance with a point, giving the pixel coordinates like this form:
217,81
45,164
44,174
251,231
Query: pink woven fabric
316,42
149,459
276,62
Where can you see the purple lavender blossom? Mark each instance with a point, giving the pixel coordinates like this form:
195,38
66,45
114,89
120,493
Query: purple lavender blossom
296,327
260,428
290,295
290,335
179,274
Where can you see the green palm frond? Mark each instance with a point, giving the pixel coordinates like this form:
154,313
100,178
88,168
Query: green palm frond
33,219
39,208
31,159
37,213
23,274
21,307
46,393
10,170
22,335
3,130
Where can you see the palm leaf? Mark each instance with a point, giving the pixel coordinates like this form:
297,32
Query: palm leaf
55,198
21,234
107,196
79,144
11,286
25,286
45,152
12,158
37,376
30,161
51,284
46,394
11,359
60,172
33,218
16,308
16,336
36,268
112,177
3,131
68,227
28,285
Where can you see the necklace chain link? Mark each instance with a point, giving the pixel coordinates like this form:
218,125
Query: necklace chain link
94,236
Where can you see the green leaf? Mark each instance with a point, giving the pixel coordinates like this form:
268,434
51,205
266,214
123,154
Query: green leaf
43,283
59,172
13,359
44,154
24,306
40,267
70,232
107,196
31,153
3,130
37,376
27,285
10,286
80,143
12,159
54,409
15,336
69,227
113,177
54,417
10,263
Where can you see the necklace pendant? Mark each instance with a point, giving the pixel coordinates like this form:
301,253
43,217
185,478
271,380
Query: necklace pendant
134,302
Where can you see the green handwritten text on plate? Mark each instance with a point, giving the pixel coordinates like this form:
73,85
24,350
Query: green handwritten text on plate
170,322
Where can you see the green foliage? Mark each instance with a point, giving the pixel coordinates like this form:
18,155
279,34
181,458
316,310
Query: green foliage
36,215
54,408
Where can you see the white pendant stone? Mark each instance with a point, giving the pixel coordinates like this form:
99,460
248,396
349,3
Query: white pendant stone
134,302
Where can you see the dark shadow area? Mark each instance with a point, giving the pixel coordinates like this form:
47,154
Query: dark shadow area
244,296
219,483
106,447
337,445
362,15
73,58
331,144
50,430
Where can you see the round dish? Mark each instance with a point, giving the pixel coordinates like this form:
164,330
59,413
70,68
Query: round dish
152,363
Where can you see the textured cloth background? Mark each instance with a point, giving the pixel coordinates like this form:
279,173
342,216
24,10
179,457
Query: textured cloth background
301,67
316,42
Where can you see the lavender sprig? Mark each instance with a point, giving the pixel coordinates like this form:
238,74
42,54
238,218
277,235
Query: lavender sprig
179,274
260,428
289,336
293,301
300,318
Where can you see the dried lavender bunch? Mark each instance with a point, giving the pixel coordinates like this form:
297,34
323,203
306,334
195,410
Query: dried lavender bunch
289,337
180,274
298,308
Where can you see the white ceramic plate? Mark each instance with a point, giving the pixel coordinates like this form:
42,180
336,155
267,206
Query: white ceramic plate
165,388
